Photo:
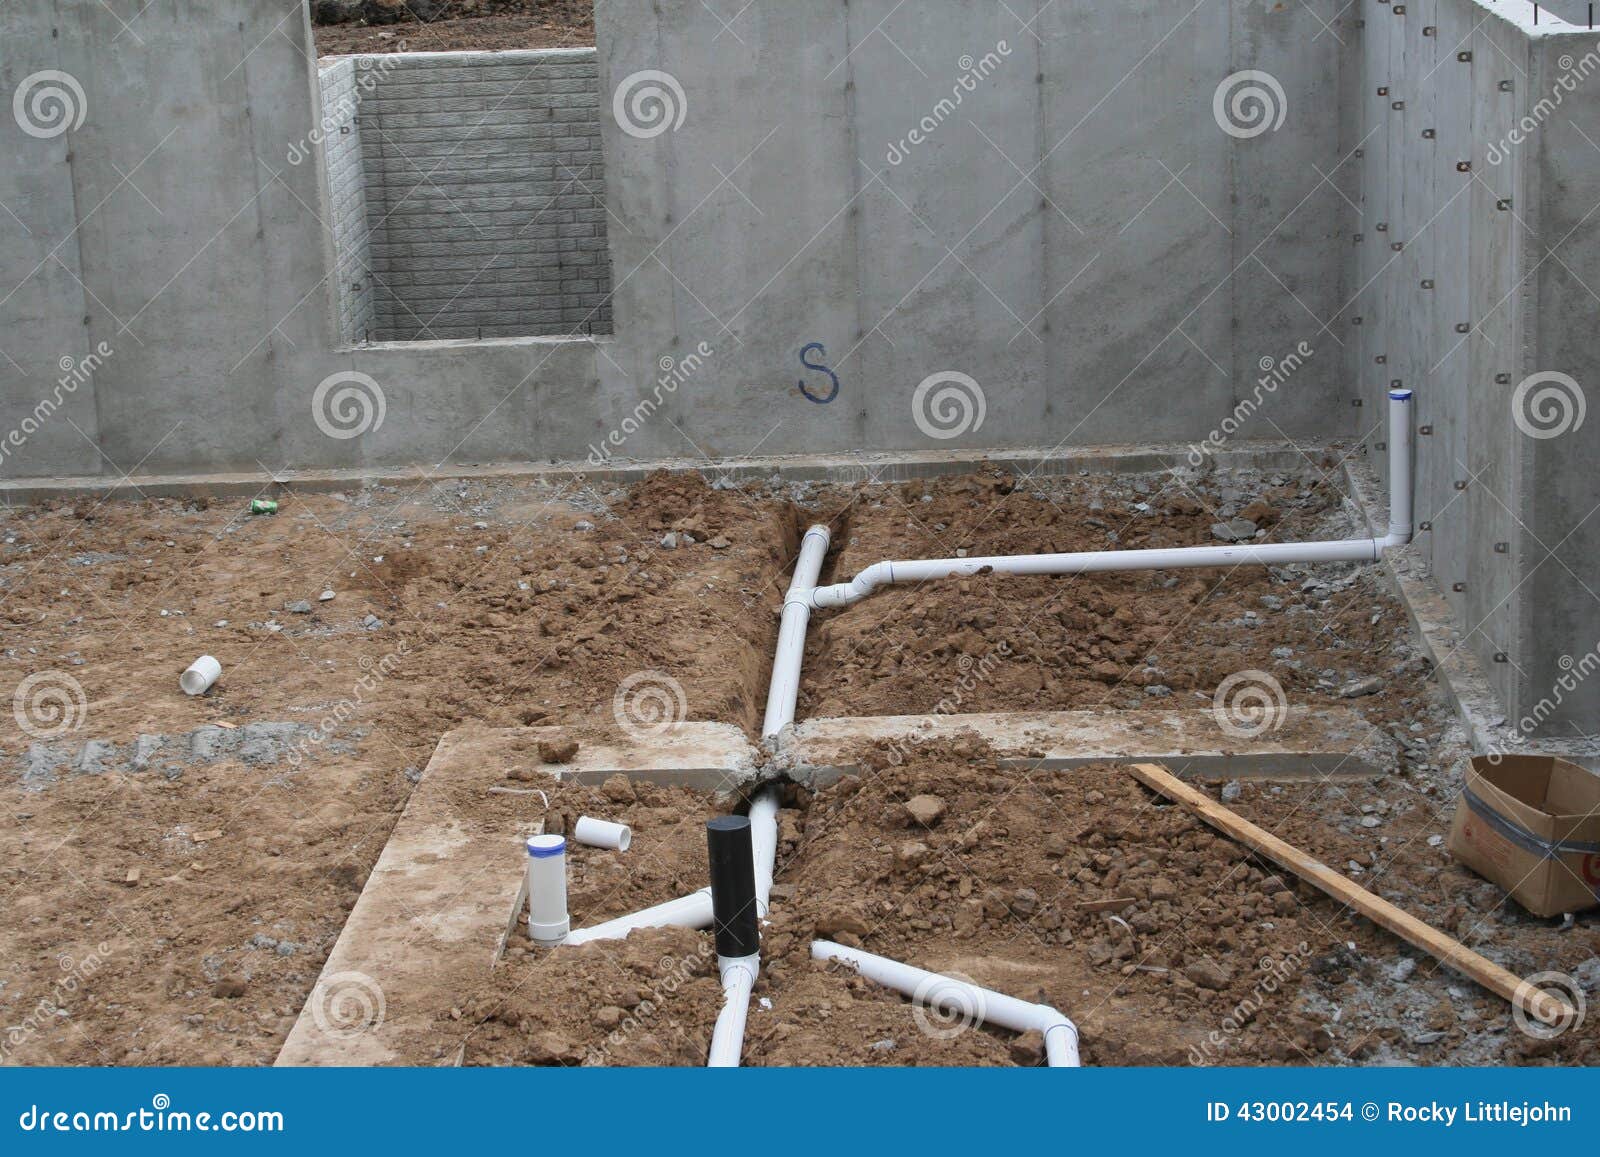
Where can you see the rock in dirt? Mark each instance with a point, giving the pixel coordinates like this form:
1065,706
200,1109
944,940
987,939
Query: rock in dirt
1027,1049
1231,791
1025,902
1362,687
228,989
911,853
562,749
834,922
1235,530
551,1048
1208,974
298,607
618,789
926,810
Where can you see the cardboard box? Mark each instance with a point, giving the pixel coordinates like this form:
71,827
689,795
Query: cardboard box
1531,823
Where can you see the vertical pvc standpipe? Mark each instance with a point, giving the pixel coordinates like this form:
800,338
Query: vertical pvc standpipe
1400,455
547,889
785,686
738,934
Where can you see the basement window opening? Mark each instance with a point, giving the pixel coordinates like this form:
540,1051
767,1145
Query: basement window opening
466,195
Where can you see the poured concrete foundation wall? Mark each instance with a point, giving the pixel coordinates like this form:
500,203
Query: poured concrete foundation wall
347,194
1473,258
1056,208
1039,196
485,186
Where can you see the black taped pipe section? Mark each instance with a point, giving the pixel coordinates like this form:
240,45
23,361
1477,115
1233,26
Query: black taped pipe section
733,886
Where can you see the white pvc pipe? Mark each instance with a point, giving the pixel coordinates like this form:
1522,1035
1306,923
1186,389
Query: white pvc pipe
602,834
764,841
1084,562
1400,450
946,993
727,1038
547,889
785,686
201,674
691,911
694,910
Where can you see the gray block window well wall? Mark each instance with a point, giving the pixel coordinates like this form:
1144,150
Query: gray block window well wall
466,195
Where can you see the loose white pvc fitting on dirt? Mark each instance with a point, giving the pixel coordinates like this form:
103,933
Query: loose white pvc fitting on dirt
727,1038
946,993
202,673
785,686
1084,562
547,889
694,910
1399,468
602,834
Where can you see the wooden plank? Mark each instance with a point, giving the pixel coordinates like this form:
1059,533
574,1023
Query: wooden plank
1539,1004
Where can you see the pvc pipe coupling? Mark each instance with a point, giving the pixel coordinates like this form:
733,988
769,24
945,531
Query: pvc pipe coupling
202,673
602,834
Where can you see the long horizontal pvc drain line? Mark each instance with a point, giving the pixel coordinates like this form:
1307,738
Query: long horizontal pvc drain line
805,596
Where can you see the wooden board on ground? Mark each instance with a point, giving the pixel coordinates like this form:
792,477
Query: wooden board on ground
447,889
1446,949
1328,743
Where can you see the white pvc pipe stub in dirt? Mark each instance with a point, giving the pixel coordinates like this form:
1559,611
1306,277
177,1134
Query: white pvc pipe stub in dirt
602,834
547,889
202,673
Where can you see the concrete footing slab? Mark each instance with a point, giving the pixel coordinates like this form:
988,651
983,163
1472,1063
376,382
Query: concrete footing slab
1303,745
842,469
448,888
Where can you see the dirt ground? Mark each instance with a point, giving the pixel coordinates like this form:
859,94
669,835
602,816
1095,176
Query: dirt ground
496,25
1012,880
171,899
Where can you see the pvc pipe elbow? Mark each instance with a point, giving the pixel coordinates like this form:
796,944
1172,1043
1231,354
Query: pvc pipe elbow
858,588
